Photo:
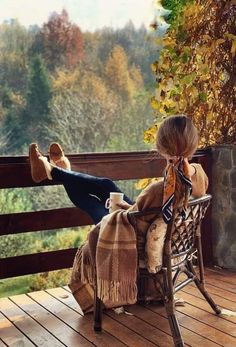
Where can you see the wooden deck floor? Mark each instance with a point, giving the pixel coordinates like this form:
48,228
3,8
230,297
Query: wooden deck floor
52,318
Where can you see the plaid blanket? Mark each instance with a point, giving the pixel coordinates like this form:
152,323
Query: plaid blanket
111,250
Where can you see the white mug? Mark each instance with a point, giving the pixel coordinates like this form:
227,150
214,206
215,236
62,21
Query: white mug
115,198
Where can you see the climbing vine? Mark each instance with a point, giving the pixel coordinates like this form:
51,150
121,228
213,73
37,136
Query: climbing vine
196,70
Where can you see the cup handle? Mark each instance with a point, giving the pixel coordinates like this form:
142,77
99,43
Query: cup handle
108,203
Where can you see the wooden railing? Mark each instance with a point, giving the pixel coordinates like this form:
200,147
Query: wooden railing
15,173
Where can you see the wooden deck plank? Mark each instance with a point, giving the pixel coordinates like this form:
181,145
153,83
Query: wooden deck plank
152,334
216,281
140,326
27,325
197,300
223,293
190,337
10,335
55,326
194,307
75,320
152,331
161,323
132,337
200,324
135,324
222,274
53,318
215,292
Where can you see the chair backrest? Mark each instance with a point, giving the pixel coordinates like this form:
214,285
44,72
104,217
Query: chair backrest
180,234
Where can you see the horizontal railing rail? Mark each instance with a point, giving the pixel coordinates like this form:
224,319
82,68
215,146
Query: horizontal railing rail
15,173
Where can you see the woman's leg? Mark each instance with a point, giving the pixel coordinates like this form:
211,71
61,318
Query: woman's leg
86,191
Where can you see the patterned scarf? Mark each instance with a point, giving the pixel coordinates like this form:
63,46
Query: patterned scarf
178,167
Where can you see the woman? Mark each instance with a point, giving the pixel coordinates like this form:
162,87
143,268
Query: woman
177,140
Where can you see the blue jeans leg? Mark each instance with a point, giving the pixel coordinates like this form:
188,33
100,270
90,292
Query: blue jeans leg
87,192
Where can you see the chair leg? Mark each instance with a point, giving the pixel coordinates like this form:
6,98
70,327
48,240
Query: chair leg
174,324
206,295
97,314
200,283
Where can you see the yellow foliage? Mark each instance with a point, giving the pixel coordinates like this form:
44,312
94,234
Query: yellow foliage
117,71
136,77
64,80
195,72
154,66
95,86
154,103
144,182
150,134
168,41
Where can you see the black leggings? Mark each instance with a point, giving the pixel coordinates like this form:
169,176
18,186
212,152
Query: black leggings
87,192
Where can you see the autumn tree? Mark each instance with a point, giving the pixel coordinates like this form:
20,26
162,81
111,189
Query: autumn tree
15,41
196,70
120,77
61,41
83,110
82,123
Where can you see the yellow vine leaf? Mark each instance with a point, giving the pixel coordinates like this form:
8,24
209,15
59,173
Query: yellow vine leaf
168,41
154,66
154,103
150,134
233,48
144,182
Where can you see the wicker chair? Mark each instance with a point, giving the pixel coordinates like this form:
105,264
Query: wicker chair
181,246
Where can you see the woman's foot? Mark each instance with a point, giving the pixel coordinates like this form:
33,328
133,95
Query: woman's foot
39,165
57,157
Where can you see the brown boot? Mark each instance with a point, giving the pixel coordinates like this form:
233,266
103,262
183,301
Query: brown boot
57,156
37,166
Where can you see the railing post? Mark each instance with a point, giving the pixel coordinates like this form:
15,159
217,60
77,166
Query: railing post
207,232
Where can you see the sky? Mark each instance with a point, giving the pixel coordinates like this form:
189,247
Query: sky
88,14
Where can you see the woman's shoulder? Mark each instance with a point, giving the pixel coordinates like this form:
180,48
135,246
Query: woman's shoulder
199,171
155,186
151,196
199,180
197,166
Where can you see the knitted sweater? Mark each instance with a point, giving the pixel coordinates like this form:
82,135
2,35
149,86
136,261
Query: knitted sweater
154,191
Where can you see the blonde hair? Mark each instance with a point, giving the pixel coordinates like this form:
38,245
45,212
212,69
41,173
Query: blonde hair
178,137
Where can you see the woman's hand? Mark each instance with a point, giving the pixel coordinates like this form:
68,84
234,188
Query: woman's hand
124,205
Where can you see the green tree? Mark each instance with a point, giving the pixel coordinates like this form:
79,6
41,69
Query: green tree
39,89
28,118
15,41
36,116
13,201
176,7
